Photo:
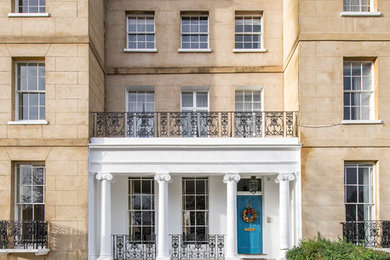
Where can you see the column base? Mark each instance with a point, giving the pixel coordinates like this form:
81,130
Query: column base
232,257
105,257
163,258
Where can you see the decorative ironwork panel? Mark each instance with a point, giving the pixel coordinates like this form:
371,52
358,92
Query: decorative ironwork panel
208,124
113,124
205,247
367,233
195,124
289,123
274,123
131,247
140,124
248,124
23,234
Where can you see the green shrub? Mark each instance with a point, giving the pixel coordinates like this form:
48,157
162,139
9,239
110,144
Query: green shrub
321,248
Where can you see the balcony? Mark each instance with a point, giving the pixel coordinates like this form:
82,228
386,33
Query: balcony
375,233
195,124
24,237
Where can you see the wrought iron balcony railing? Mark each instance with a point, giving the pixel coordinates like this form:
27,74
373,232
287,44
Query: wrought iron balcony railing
131,247
199,247
23,234
195,124
375,233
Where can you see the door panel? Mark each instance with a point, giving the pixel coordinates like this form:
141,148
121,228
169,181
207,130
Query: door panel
249,235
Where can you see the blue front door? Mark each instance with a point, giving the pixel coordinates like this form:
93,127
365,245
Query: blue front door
249,235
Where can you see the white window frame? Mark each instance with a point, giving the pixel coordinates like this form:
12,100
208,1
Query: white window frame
206,211
146,89
371,6
369,13
152,210
261,34
127,49
181,49
18,5
371,184
250,89
19,92
17,189
371,91
194,108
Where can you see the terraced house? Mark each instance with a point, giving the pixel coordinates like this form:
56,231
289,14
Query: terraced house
192,129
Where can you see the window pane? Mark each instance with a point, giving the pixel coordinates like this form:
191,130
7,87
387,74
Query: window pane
25,174
200,202
364,174
200,218
351,193
187,99
38,194
201,99
356,68
200,187
136,202
347,83
26,212
351,175
146,202
350,212
39,212
38,177
190,187
147,218
25,194
190,202
364,194
146,187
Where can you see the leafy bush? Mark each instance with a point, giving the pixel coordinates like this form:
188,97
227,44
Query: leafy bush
321,248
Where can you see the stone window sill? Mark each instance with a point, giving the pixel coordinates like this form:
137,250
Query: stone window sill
249,50
139,50
194,50
28,14
28,122
44,251
362,122
360,14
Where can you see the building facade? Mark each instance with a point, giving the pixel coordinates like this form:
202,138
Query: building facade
51,58
191,129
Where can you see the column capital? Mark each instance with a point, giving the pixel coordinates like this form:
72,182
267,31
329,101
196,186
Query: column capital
161,177
104,176
228,177
285,176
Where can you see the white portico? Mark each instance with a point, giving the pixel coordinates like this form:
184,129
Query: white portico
198,183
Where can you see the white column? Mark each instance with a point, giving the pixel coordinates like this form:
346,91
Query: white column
105,216
92,217
231,180
284,210
162,235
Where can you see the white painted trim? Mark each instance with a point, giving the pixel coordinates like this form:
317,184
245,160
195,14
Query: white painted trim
28,15
139,50
97,142
28,122
194,50
360,14
362,122
250,50
43,251
127,33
